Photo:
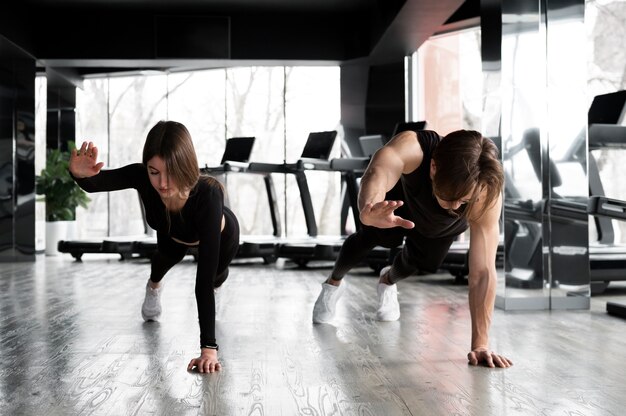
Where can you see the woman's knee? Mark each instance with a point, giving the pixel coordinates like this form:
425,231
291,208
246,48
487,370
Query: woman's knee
221,278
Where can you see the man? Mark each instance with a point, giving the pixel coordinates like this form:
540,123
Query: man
428,190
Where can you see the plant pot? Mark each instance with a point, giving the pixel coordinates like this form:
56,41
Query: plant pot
56,231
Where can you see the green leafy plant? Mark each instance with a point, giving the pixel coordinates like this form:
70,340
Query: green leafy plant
62,194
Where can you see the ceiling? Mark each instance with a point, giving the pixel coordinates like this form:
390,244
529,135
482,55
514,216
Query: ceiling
102,36
259,4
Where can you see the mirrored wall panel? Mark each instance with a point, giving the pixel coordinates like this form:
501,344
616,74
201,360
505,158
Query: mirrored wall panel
566,184
523,92
543,133
17,154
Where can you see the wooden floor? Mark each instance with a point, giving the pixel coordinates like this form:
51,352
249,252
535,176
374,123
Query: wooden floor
73,343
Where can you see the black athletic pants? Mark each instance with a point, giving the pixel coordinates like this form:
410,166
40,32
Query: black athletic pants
170,252
419,252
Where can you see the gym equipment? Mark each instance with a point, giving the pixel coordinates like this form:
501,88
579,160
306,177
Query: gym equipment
236,154
315,156
607,260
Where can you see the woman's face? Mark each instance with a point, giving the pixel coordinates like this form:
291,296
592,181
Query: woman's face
159,178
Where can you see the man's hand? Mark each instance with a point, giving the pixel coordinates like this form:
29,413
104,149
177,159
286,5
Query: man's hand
488,358
83,161
380,215
206,363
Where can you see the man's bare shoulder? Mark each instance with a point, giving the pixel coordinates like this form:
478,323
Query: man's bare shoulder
485,212
404,138
406,146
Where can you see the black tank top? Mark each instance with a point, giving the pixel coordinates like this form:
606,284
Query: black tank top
421,206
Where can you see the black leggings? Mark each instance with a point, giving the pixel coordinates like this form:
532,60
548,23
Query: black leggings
170,252
419,252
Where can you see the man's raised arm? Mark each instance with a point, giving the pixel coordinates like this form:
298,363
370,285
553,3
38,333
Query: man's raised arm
402,154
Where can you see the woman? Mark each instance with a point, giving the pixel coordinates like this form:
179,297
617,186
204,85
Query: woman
185,208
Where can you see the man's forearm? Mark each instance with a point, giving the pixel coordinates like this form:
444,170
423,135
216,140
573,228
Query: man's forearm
372,188
482,296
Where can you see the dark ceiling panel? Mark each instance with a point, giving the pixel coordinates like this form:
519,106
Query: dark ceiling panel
126,34
412,26
284,5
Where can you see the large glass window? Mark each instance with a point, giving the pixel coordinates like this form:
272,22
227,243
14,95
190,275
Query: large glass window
449,83
92,124
41,109
313,104
606,37
255,107
449,79
135,105
196,99
277,105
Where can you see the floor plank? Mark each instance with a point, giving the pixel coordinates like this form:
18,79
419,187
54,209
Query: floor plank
73,343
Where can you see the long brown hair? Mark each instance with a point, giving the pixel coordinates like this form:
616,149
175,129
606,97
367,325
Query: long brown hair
467,162
172,142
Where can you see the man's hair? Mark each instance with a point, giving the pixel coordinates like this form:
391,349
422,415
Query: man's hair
466,162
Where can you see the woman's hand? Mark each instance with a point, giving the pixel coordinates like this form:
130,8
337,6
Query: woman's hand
488,358
206,363
83,161
380,215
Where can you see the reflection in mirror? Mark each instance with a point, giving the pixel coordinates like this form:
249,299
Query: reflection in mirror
523,112
568,246
543,130
524,204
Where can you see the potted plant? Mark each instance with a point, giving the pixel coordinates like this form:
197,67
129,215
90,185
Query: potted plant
62,197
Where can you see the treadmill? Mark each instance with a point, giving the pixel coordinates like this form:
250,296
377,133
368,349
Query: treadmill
522,218
125,246
236,160
607,260
315,156
236,154
235,157
612,209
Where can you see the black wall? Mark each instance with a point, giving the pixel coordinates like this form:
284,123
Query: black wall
17,153
61,117
372,100
123,32
385,98
354,78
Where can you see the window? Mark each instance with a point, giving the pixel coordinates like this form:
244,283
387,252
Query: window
277,105
449,82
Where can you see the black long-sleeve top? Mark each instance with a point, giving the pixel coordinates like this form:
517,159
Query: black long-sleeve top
200,219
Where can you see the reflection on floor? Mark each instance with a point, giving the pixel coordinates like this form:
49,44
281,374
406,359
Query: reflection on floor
73,342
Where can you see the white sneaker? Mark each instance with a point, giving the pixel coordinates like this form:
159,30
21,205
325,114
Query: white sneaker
326,303
151,308
388,306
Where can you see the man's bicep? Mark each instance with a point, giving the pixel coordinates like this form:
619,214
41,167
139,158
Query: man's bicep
387,161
